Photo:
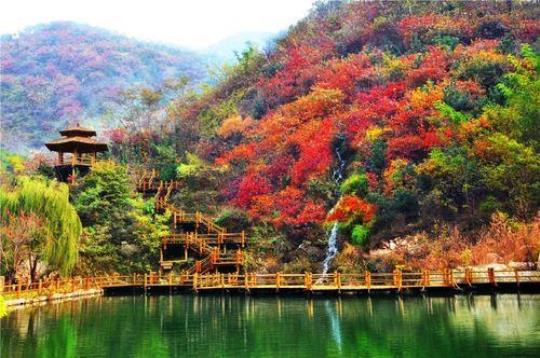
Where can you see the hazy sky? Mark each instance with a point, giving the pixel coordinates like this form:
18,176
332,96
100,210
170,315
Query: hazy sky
190,23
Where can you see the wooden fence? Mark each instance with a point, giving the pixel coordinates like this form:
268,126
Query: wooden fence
368,281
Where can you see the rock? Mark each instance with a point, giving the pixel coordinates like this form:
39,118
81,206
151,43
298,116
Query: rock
494,266
315,253
521,265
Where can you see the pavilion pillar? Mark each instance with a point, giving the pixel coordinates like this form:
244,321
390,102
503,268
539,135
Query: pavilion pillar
60,158
74,158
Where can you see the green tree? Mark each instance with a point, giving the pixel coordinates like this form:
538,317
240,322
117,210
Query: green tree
452,178
121,231
511,171
202,183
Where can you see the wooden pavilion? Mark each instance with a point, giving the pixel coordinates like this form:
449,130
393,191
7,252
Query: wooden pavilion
77,152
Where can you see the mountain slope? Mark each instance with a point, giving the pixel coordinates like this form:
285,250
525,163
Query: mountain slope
387,120
61,72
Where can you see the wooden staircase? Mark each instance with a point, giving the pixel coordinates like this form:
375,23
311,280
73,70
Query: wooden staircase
193,234
214,248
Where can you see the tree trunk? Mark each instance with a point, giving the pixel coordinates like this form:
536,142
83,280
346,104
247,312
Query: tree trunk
33,268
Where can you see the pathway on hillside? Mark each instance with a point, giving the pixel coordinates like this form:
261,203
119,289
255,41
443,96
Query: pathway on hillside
195,239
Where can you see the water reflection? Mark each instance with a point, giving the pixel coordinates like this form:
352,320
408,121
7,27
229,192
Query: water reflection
335,328
209,326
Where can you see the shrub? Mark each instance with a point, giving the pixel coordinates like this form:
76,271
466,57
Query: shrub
360,235
355,184
233,219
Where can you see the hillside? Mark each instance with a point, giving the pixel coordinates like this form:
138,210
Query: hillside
54,73
379,121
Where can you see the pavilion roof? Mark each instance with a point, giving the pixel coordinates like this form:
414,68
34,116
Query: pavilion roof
80,144
77,130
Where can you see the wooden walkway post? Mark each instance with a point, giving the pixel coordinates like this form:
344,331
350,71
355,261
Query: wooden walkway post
398,279
446,281
427,278
451,277
195,281
468,276
308,281
367,278
516,275
278,283
337,279
491,276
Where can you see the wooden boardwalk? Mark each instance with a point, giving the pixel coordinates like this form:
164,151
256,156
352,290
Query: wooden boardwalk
445,281
338,282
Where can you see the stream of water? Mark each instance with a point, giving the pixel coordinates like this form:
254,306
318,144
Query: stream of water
332,248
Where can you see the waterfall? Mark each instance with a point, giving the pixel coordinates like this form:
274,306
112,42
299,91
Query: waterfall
338,172
332,248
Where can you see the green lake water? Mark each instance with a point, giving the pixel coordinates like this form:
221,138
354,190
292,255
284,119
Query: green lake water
246,326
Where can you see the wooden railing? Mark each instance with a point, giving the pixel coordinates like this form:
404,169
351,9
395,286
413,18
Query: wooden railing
149,181
198,279
365,281
210,239
209,223
67,285
180,216
81,159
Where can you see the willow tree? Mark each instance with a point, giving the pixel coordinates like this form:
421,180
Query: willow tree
56,239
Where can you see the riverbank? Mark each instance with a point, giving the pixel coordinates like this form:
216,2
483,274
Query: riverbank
50,298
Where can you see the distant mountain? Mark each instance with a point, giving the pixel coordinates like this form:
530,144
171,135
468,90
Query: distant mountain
224,50
60,72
